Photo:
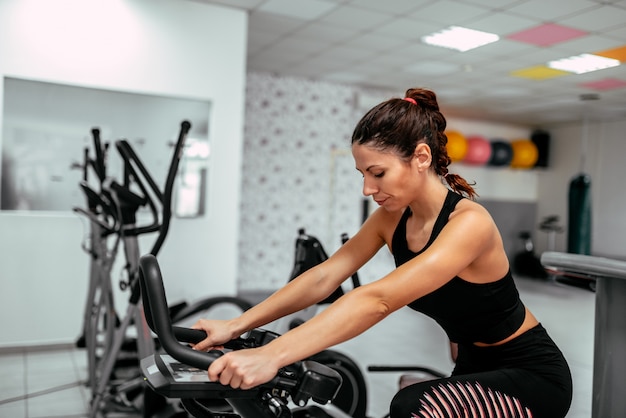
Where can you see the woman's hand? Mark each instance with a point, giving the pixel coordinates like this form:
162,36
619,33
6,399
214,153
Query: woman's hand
244,369
218,333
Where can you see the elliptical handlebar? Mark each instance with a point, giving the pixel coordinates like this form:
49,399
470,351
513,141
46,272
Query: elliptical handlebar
135,169
122,203
99,164
166,201
132,160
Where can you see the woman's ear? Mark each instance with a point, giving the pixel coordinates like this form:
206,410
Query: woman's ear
423,156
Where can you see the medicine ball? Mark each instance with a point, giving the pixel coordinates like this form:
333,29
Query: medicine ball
456,146
478,150
501,153
525,153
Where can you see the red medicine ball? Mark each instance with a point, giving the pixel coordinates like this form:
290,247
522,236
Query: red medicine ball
478,150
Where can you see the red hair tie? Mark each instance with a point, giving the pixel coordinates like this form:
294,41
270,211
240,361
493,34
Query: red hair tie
408,99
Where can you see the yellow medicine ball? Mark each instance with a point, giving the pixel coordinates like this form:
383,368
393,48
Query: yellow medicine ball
457,145
525,153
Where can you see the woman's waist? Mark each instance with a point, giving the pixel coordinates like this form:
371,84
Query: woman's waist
529,323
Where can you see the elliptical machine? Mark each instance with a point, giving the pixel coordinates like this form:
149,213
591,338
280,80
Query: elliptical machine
113,353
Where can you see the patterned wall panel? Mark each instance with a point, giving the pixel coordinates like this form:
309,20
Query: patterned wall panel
297,173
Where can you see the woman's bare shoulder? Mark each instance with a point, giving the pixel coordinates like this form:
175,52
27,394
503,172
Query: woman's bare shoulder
384,222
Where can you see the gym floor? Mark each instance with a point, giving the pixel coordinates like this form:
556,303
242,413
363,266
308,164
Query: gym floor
41,384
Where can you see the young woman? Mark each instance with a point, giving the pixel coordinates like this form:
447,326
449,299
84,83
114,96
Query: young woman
451,266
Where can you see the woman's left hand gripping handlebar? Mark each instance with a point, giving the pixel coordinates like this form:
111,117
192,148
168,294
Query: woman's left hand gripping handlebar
218,333
244,369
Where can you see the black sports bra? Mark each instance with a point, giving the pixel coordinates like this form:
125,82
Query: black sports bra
468,312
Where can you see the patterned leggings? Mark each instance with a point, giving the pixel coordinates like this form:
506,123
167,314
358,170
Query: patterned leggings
526,377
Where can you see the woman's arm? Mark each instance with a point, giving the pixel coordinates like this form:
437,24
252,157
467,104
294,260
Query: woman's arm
305,290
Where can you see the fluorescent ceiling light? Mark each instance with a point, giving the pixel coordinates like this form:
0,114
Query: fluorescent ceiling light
583,63
461,39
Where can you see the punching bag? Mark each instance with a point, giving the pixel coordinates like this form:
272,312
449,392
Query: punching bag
579,207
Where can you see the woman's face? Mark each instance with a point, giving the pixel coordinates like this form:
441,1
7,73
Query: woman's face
391,181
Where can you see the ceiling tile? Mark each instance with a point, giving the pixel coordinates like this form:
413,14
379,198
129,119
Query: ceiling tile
396,7
356,18
376,43
547,34
599,19
503,49
503,23
589,44
501,4
448,12
551,10
539,72
344,54
319,31
407,28
615,53
618,33
433,68
297,46
302,9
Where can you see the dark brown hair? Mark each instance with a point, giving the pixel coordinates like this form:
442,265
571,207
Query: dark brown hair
399,125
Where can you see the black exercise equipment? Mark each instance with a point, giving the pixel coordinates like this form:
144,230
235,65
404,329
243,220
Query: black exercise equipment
352,397
526,262
579,215
169,375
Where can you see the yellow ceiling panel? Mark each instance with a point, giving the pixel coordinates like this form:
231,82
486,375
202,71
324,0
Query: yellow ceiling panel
538,72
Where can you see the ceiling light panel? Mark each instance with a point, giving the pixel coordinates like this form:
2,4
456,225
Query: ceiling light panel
459,38
583,63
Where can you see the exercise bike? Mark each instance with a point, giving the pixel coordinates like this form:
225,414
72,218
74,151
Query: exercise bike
167,376
170,374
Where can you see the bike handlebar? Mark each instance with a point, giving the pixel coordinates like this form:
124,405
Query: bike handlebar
304,380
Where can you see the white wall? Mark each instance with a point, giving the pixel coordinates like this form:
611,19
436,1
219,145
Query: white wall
604,162
163,47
